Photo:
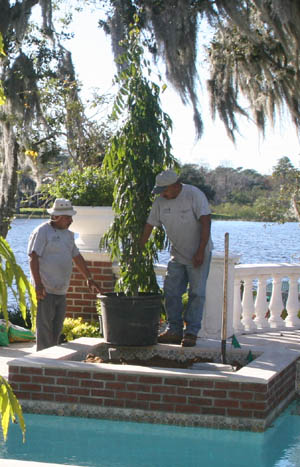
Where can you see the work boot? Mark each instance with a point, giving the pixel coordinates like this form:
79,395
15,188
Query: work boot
189,340
168,337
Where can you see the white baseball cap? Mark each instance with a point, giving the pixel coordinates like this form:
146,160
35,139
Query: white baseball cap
164,179
62,207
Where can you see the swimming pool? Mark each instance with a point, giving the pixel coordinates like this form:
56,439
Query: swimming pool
106,443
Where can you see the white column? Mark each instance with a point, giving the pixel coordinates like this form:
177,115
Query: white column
292,304
248,305
276,304
237,307
261,303
212,316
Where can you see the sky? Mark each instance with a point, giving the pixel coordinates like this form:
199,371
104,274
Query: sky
93,59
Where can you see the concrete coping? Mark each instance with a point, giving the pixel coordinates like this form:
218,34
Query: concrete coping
267,364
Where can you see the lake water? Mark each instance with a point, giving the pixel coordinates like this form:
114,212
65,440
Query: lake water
253,242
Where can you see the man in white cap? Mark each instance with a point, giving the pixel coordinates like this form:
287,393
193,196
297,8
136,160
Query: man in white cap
184,212
52,249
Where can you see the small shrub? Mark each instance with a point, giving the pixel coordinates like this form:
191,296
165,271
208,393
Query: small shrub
83,187
75,328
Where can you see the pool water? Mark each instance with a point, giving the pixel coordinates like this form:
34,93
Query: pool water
106,443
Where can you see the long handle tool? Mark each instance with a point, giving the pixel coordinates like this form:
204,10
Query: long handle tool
224,311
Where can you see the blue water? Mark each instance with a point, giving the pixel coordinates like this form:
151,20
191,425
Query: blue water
253,242
105,443
258,242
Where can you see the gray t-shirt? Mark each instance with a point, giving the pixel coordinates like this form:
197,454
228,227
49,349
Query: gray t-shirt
55,249
181,218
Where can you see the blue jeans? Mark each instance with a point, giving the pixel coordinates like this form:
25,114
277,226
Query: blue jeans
179,277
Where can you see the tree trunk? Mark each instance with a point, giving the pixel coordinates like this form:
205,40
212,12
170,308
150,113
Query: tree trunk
8,178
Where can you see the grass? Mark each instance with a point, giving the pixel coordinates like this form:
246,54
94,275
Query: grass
32,212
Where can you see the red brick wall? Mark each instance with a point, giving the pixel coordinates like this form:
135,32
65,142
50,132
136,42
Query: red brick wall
164,393
80,300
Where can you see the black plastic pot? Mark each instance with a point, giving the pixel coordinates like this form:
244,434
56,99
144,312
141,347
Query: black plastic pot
130,321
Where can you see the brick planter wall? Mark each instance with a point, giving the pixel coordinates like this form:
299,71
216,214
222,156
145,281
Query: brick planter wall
80,300
182,397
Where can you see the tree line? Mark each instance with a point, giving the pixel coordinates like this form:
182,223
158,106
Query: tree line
233,193
246,194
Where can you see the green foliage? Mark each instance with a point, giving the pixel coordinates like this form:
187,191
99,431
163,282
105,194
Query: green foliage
235,211
1,45
32,213
83,187
13,277
10,409
2,95
73,135
245,194
286,179
185,299
138,152
239,185
75,328
265,209
273,209
193,174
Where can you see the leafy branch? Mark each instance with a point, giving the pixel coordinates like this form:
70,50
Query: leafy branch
10,409
13,277
138,152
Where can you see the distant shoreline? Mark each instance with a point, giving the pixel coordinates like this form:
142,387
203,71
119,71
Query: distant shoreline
38,213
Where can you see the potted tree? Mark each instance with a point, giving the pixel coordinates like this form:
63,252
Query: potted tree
91,193
139,150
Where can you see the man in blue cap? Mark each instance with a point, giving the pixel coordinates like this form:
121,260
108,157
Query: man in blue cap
184,212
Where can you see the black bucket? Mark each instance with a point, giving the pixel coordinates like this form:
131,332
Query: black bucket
130,321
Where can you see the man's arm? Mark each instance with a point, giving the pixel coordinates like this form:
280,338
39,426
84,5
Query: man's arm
145,235
35,273
205,222
82,266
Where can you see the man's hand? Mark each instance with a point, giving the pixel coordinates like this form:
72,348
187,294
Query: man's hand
91,283
40,291
198,258
82,266
145,235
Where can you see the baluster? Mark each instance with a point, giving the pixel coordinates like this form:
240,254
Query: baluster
276,304
292,304
248,305
237,307
261,304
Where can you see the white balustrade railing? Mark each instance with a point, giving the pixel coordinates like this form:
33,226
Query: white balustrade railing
266,297
254,295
